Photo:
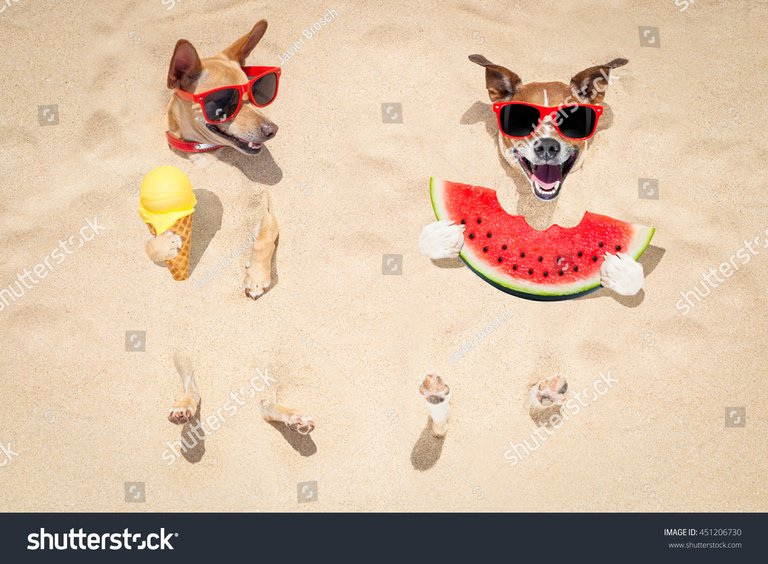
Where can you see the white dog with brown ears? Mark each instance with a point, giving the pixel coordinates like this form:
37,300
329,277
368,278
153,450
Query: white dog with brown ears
546,158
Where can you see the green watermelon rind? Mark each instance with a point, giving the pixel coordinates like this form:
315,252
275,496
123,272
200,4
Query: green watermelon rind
640,241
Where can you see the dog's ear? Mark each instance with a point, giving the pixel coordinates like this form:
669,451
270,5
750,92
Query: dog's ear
185,66
590,84
241,48
501,82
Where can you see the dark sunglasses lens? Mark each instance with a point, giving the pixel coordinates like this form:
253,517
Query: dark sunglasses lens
264,89
577,122
221,105
519,120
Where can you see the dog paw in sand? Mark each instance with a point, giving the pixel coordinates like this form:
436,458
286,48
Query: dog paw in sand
622,274
292,418
437,395
259,268
164,247
441,240
548,393
257,279
185,409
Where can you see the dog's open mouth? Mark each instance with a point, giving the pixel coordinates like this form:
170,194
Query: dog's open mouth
546,179
250,147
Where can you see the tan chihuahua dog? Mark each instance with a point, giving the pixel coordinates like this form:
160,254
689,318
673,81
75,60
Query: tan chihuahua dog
189,131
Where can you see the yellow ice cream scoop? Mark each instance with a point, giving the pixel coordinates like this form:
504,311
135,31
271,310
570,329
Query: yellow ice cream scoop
166,196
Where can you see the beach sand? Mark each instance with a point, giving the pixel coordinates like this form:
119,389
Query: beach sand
84,408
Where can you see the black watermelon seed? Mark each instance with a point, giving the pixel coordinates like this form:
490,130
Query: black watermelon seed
522,255
530,271
463,221
618,247
485,249
471,235
499,259
546,274
479,220
580,254
575,268
600,245
514,267
560,273
489,234
594,258
541,259
503,247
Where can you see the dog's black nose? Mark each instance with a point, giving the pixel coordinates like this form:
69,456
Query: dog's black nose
546,148
269,130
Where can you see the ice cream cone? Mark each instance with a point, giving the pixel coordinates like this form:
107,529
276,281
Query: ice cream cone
167,203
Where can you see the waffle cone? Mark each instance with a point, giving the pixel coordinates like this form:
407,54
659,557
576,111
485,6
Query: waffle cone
179,265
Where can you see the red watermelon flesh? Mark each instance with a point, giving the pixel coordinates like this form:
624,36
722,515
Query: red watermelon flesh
554,264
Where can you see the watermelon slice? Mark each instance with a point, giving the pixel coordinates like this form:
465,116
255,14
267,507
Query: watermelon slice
555,264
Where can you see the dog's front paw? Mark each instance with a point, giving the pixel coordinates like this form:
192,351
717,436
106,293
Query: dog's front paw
164,247
441,240
174,243
257,279
622,274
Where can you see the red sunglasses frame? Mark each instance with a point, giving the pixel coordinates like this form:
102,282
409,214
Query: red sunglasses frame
544,113
253,74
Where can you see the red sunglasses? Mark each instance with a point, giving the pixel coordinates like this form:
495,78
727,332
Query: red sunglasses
223,104
521,119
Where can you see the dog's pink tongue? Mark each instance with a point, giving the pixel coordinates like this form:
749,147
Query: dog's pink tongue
547,175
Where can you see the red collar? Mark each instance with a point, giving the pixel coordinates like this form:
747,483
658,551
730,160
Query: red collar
189,146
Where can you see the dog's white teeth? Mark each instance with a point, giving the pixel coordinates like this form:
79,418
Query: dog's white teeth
540,188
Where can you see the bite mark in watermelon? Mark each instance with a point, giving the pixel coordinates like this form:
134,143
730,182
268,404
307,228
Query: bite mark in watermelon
557,263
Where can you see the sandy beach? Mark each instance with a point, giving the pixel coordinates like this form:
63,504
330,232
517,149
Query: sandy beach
375,98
